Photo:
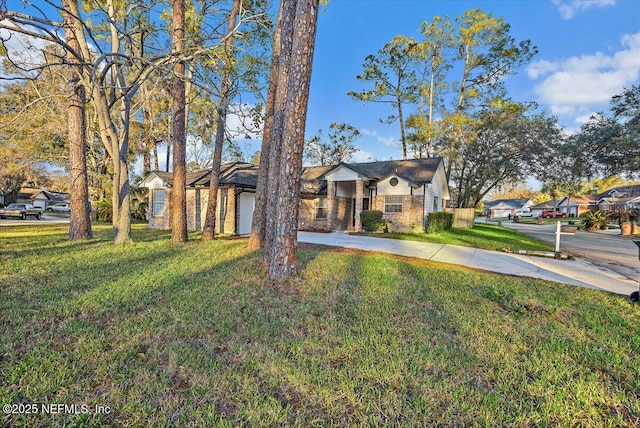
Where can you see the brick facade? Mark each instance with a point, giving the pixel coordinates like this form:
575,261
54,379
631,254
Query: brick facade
340,217
411,218
419,183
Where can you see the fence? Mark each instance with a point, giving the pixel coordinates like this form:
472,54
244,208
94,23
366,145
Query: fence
463,218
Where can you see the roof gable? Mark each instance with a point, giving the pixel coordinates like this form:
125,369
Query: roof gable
417,171
508,203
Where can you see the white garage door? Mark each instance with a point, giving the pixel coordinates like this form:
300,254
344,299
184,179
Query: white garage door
246,202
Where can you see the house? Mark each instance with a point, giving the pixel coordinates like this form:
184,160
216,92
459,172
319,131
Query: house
40,198
506,207
543,206
619,197
576,205
332,197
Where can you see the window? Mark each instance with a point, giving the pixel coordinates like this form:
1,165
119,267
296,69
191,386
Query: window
393,204
158,202
435,204
393,181
321,208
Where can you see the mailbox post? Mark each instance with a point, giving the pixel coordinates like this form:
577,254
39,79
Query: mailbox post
635,296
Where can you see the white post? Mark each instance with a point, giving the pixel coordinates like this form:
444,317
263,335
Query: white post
558,237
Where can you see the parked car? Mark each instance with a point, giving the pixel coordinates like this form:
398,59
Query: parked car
521,213
21,211
60,208
552,214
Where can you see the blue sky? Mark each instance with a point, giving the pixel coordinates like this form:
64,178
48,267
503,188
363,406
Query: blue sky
589,50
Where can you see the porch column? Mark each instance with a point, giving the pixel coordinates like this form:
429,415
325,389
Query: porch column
358,210
331,203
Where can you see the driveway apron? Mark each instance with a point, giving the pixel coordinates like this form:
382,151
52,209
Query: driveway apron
574,272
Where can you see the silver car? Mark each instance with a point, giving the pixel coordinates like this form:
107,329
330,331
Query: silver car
59,208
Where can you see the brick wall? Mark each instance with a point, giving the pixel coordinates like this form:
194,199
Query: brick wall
307,216
411,217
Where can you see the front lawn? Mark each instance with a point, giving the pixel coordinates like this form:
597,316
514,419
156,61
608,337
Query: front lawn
486,236
192,335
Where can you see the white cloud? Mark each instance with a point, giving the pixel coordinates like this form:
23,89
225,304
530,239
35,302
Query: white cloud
570,8
387,141
23,50
362,156
580,84
240,123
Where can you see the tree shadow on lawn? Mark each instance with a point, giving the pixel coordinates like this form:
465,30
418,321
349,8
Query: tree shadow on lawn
96,328
358,337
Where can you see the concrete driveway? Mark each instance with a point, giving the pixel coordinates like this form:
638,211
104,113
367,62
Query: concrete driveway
606,248
575,272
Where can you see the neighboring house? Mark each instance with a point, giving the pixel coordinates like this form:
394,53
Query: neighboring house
579,204
543,206
36,197
619,197
332,197
506,207
41,198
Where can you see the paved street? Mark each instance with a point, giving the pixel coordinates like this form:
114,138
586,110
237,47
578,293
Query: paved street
46,219
606,248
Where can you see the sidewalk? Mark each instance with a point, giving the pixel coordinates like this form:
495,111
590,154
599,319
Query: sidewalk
574,272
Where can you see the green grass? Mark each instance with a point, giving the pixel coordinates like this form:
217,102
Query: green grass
192,335
486,236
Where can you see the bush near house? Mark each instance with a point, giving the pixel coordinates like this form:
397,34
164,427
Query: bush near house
372,221
439,221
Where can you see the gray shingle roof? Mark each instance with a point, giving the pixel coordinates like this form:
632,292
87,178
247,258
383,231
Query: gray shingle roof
418,171
515,203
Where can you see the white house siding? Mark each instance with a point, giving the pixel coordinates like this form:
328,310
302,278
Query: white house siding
436,189
402,188
156,183
342,174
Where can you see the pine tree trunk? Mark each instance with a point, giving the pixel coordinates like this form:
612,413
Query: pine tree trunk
279,66
277,126
208,231
283,247
80,222
179,190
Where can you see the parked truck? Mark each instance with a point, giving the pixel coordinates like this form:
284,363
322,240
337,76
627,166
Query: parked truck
21,211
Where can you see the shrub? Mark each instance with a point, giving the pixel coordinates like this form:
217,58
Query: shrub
439,221
104,210
594,220
139,203
372,220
